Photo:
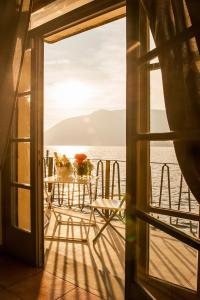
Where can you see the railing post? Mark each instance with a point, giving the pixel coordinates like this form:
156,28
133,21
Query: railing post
150,186
107,180
114,166
50,171
46,161
107,184
100,165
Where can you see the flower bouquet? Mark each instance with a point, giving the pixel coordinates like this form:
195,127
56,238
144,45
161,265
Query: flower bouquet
82,165
63,166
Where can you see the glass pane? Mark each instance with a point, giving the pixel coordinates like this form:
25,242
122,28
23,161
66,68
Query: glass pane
25,79
158,117
168,187
22,210
21,162
24,162
188,226
172,260
24,117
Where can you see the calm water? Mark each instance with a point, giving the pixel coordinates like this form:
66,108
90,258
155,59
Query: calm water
158,154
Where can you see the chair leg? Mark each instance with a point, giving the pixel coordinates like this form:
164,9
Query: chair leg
95,222
90,222
113,227
105,225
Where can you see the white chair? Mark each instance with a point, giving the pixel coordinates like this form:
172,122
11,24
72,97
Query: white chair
113,206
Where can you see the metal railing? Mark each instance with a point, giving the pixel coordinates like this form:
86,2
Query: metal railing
168,191
110,183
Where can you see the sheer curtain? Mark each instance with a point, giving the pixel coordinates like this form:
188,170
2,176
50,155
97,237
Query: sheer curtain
176,21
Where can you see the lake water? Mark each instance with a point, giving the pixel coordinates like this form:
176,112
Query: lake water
158,154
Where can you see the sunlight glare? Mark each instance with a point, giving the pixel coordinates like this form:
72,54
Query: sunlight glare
73,92
70,151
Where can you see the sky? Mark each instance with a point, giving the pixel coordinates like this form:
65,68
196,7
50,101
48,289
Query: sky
87,72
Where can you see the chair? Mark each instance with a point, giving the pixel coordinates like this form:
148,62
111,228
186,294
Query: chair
112,206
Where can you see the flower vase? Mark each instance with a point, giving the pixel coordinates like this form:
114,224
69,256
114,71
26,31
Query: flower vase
64,172
81,170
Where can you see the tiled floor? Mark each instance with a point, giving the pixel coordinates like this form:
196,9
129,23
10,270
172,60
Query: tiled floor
83,271
88,266
21,282
98,269
72,270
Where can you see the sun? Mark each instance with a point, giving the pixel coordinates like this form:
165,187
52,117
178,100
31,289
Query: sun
71,92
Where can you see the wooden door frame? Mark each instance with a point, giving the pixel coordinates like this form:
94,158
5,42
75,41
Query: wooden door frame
138,121
37,163
78,17
35,236
83,15
138,155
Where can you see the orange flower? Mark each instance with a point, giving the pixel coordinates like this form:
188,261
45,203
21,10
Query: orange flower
80,157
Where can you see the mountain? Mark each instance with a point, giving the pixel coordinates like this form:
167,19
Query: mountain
101,128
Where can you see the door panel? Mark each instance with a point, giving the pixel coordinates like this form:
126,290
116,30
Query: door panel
23,234
160,256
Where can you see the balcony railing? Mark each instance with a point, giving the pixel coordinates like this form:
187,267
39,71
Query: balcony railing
169,192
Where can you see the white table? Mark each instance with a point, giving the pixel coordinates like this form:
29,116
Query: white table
85,181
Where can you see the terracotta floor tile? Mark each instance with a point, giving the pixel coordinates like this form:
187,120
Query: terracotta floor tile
95,281
79,294
13,271
6,295
42,286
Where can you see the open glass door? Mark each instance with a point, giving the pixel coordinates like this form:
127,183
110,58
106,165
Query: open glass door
23,232
162,251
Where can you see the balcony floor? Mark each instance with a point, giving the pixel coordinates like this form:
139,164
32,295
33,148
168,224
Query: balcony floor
99,268
21,282
77,270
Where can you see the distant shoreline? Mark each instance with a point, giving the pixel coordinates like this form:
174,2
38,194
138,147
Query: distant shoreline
154,144
90,130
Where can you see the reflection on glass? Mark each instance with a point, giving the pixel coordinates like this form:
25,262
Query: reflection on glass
24,117
25,78
172,260
23,163
22,219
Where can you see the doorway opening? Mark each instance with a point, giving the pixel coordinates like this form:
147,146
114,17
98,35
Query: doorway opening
85,158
